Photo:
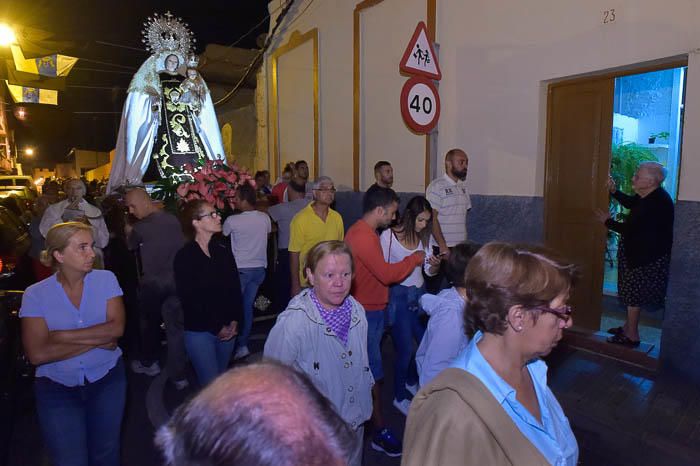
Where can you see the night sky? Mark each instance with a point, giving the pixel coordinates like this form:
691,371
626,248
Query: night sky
53,131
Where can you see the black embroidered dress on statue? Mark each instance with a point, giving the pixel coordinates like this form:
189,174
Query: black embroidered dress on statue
177,141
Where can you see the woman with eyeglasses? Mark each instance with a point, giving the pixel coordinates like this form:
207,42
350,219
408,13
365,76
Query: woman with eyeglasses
209,288
493,406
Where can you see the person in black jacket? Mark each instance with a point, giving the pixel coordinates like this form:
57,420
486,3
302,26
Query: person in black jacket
644,254
207,283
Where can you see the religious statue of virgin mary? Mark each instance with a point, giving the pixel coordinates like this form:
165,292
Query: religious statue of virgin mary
168,118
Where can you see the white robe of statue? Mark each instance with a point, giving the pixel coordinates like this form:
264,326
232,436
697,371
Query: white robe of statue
139,124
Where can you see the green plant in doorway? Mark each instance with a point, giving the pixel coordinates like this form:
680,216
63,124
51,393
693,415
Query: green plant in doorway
663,135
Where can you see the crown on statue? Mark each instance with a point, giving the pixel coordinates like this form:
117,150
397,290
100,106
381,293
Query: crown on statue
192,61
167,33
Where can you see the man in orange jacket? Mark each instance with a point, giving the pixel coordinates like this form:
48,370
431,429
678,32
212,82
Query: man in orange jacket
370,286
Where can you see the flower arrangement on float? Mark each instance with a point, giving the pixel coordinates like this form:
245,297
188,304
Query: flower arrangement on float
211,180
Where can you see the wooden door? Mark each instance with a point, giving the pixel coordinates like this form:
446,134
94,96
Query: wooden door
579,134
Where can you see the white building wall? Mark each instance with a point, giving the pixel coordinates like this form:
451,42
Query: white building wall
497,58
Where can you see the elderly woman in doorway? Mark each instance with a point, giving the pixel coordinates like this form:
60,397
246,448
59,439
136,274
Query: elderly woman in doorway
323,333
70,325
644,253
493,406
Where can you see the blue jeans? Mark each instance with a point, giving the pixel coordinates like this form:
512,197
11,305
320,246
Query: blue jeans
251,279
81,425
375,331
283,280
406,332
209,355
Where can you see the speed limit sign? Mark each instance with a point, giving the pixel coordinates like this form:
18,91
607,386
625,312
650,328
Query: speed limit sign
420,104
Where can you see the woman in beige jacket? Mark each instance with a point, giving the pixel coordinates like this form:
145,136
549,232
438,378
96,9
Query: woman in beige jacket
492,406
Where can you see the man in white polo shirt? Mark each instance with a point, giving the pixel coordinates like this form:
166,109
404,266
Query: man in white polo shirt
449,198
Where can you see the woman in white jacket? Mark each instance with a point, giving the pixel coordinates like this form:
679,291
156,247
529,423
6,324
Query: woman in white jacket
445,338
323,333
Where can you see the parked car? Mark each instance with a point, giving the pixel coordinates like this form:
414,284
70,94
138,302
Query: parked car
15,275
19,185
15,265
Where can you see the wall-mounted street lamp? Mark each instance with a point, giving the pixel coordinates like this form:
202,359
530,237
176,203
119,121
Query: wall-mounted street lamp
7,35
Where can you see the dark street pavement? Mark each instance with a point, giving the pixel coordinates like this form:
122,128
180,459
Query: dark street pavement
620,415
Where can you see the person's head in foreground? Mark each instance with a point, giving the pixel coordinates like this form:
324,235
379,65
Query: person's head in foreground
519,293
257,415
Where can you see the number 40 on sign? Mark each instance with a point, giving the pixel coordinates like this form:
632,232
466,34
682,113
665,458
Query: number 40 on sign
420,104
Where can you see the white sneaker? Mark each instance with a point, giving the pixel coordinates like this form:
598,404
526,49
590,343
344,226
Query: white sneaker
151,371
402,405
412,389
181,384
241,352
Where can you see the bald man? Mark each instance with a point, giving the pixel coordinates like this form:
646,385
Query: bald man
156,237
265,414
449,198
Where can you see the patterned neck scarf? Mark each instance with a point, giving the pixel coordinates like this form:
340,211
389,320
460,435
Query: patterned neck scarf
337,319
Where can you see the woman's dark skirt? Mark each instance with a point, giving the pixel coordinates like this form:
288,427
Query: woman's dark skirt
643,285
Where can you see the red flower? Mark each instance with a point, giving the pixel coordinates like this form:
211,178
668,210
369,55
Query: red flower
203,189
183,189
231,177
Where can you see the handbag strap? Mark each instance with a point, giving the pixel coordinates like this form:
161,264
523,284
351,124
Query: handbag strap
391,239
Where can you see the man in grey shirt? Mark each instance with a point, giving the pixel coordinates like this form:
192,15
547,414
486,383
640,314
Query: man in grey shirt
282,214
157,237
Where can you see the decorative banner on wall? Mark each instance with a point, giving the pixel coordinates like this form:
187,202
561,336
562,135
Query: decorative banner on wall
32,95
419,59
50,65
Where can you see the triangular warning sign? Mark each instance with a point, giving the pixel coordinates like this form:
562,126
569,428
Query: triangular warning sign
419,58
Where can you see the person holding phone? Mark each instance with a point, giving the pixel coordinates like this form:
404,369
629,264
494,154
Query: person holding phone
410,234
76,209
370,286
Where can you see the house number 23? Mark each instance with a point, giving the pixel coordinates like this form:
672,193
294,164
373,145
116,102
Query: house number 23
609,16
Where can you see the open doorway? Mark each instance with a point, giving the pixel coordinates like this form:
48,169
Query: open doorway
647,126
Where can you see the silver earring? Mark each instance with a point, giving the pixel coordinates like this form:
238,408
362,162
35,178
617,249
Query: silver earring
520,328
